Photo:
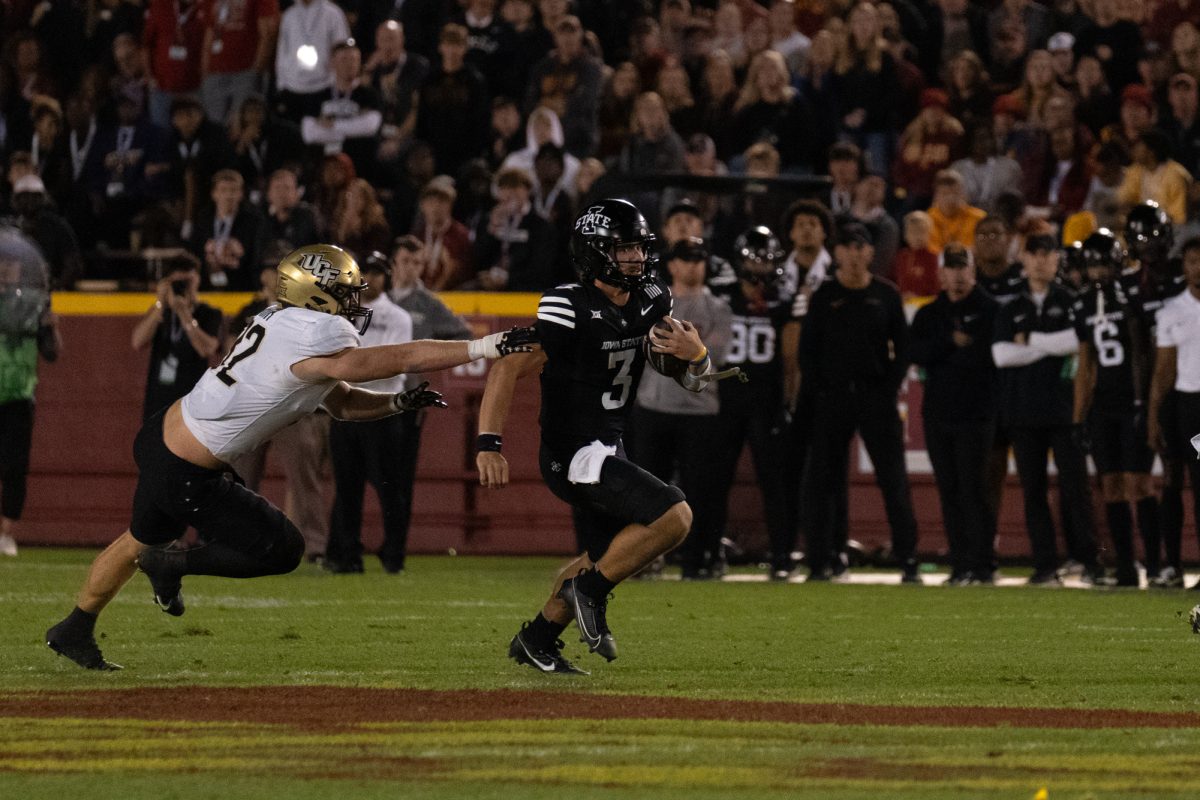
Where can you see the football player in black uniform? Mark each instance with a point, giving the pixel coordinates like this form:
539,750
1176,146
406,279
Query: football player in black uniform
755,411
592,337
1153,279
1109,401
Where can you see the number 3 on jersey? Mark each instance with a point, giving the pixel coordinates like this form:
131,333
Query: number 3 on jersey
1109,351
622,362
254,335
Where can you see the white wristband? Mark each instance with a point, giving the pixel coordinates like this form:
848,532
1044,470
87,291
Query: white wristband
487,347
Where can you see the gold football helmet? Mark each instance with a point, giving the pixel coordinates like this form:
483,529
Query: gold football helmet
324,277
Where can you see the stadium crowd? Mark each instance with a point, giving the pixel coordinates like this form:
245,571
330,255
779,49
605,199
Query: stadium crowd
966,147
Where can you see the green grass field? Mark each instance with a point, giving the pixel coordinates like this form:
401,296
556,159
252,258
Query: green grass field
1050,664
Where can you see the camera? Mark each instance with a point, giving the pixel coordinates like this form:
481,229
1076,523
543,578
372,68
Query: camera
180,287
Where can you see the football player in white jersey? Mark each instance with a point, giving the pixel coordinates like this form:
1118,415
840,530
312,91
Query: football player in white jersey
293,358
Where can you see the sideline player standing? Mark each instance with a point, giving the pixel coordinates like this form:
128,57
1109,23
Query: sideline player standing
592,335
293,358
1110,386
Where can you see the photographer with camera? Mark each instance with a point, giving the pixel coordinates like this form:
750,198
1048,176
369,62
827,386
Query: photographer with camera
183,335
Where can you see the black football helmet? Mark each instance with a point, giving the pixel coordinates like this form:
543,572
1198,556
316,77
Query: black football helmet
599,230
758,257
1102,255
1149,234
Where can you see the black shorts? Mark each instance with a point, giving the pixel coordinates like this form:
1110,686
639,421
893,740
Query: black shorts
1118,444
172,494
626,494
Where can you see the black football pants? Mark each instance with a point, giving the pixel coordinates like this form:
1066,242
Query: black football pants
16,440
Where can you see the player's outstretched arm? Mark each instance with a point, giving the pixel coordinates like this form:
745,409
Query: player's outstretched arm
493,413
362,364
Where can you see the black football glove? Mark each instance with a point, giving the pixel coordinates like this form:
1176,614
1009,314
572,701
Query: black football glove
517,340
418,398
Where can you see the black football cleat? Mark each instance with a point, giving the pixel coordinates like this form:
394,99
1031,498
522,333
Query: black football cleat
590,616
543,659
164,566
80,648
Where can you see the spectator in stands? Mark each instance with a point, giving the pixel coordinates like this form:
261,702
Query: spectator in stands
262,143
1061,47
552,194
453,108
47,146
673,430
26,333
1094,106
956,28
728,30
1030,17
786,38
1034,338
183,334
38,220
348,119
954,220
307,33
227,236
133,158
929,144
865,82
236,54
198,149
568,81
86,169
492,41
366,452
614,112
914,270
290,223
845,170
1065,186
869,195
1185,48
131,77
1038,87
854,352
1182,125
674,87
531,42
769,109
1136,117
397,76
506,131
1102,200
986,173
359,225
1154,175
446,241
952,344
542,128
716,96
1115,42
334,177
515,252
431,318
654,147
173,36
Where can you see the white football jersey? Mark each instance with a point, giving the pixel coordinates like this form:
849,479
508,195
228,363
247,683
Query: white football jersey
253,393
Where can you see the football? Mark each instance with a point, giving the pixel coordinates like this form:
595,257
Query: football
663,363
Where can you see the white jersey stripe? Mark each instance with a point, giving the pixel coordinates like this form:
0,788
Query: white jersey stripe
566,323
560,300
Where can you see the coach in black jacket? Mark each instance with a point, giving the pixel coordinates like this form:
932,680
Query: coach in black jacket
853,356
1034,347
952,344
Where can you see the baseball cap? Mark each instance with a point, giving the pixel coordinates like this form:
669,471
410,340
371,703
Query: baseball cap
690,249
955,256
853,233
1138,95
684,207
1061,41
1039,242
934,98
29,183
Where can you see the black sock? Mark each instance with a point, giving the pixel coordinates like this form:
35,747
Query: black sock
543,631
81,621
1147,519
1120,528
594,584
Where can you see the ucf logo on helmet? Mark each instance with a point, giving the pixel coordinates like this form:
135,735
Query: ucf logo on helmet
321,268
593,221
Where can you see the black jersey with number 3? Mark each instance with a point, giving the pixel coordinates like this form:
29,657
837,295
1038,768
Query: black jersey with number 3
594,360
1106,318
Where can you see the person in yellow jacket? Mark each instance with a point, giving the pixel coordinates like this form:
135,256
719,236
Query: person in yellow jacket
1155,176
954,219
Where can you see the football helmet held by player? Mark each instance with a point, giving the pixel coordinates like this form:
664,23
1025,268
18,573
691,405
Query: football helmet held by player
1149,234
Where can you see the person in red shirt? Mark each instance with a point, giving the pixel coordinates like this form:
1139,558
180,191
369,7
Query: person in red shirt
238,46
173,36
915,268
